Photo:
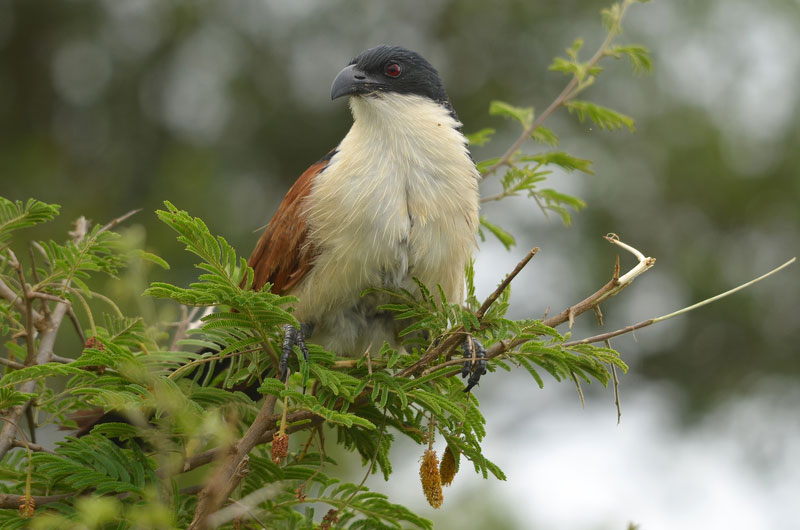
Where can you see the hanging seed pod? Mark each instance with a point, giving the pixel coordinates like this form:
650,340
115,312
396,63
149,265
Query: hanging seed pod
280,447
447,469
431,480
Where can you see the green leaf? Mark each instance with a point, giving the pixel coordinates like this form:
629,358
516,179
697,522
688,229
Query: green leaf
483,165
42,370
481,137
152,258
15,215
639,56
524,115
271,386
543,135
10,397
505,238
561,159
565,66
604,117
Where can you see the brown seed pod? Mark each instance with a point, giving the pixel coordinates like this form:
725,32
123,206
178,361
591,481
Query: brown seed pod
431,480
280,447
447,469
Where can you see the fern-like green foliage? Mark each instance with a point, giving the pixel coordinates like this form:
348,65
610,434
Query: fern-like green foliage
15,215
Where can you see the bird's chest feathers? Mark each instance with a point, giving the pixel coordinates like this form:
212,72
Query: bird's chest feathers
399,199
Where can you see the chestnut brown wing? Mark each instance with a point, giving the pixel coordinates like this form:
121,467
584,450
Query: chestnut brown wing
283,255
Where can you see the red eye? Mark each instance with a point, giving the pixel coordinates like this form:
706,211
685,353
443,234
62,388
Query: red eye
393,69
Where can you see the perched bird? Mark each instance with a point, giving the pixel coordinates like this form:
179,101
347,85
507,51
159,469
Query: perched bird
396,199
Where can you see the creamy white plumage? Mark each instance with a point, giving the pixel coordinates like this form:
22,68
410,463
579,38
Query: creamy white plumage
399,199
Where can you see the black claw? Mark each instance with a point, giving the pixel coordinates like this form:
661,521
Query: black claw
475,366
293,336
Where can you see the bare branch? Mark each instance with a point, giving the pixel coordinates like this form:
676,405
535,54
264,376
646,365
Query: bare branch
645,323
500,288
32,446
13,364
114,222
612,288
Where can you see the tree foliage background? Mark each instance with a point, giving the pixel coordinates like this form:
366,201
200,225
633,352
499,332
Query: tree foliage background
109,106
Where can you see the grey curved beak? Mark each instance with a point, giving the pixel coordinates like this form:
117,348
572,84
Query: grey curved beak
351,81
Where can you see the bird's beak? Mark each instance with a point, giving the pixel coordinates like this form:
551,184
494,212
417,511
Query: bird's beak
351,81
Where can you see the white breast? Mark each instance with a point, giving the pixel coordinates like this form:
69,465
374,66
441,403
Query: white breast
398,200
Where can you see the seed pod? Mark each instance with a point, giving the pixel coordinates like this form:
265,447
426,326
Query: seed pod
280,447
447,469
431,480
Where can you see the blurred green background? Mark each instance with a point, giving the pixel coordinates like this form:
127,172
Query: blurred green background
106,106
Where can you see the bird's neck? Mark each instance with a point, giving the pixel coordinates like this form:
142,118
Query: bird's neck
398,120
407,132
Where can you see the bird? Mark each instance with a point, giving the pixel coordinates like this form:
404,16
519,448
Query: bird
396,199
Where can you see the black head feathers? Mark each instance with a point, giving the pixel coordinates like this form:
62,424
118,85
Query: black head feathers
390,69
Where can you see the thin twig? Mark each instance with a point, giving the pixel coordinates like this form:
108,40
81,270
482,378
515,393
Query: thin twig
13,364
28,302
502,287
182,326
578,387
32,446
59,359
16,300
114,222
35,275
614,377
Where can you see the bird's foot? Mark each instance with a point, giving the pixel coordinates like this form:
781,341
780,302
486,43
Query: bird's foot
293,337
475,366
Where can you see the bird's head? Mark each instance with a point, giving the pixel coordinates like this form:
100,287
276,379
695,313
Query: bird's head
389,69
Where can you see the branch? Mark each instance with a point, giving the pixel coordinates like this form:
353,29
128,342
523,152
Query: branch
230,472
12,501
502,287
114,222
206,457
13,364
16,300
616,284
32,446
645,323
28,303
46,343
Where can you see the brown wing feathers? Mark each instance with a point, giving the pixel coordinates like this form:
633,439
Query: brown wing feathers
283,255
